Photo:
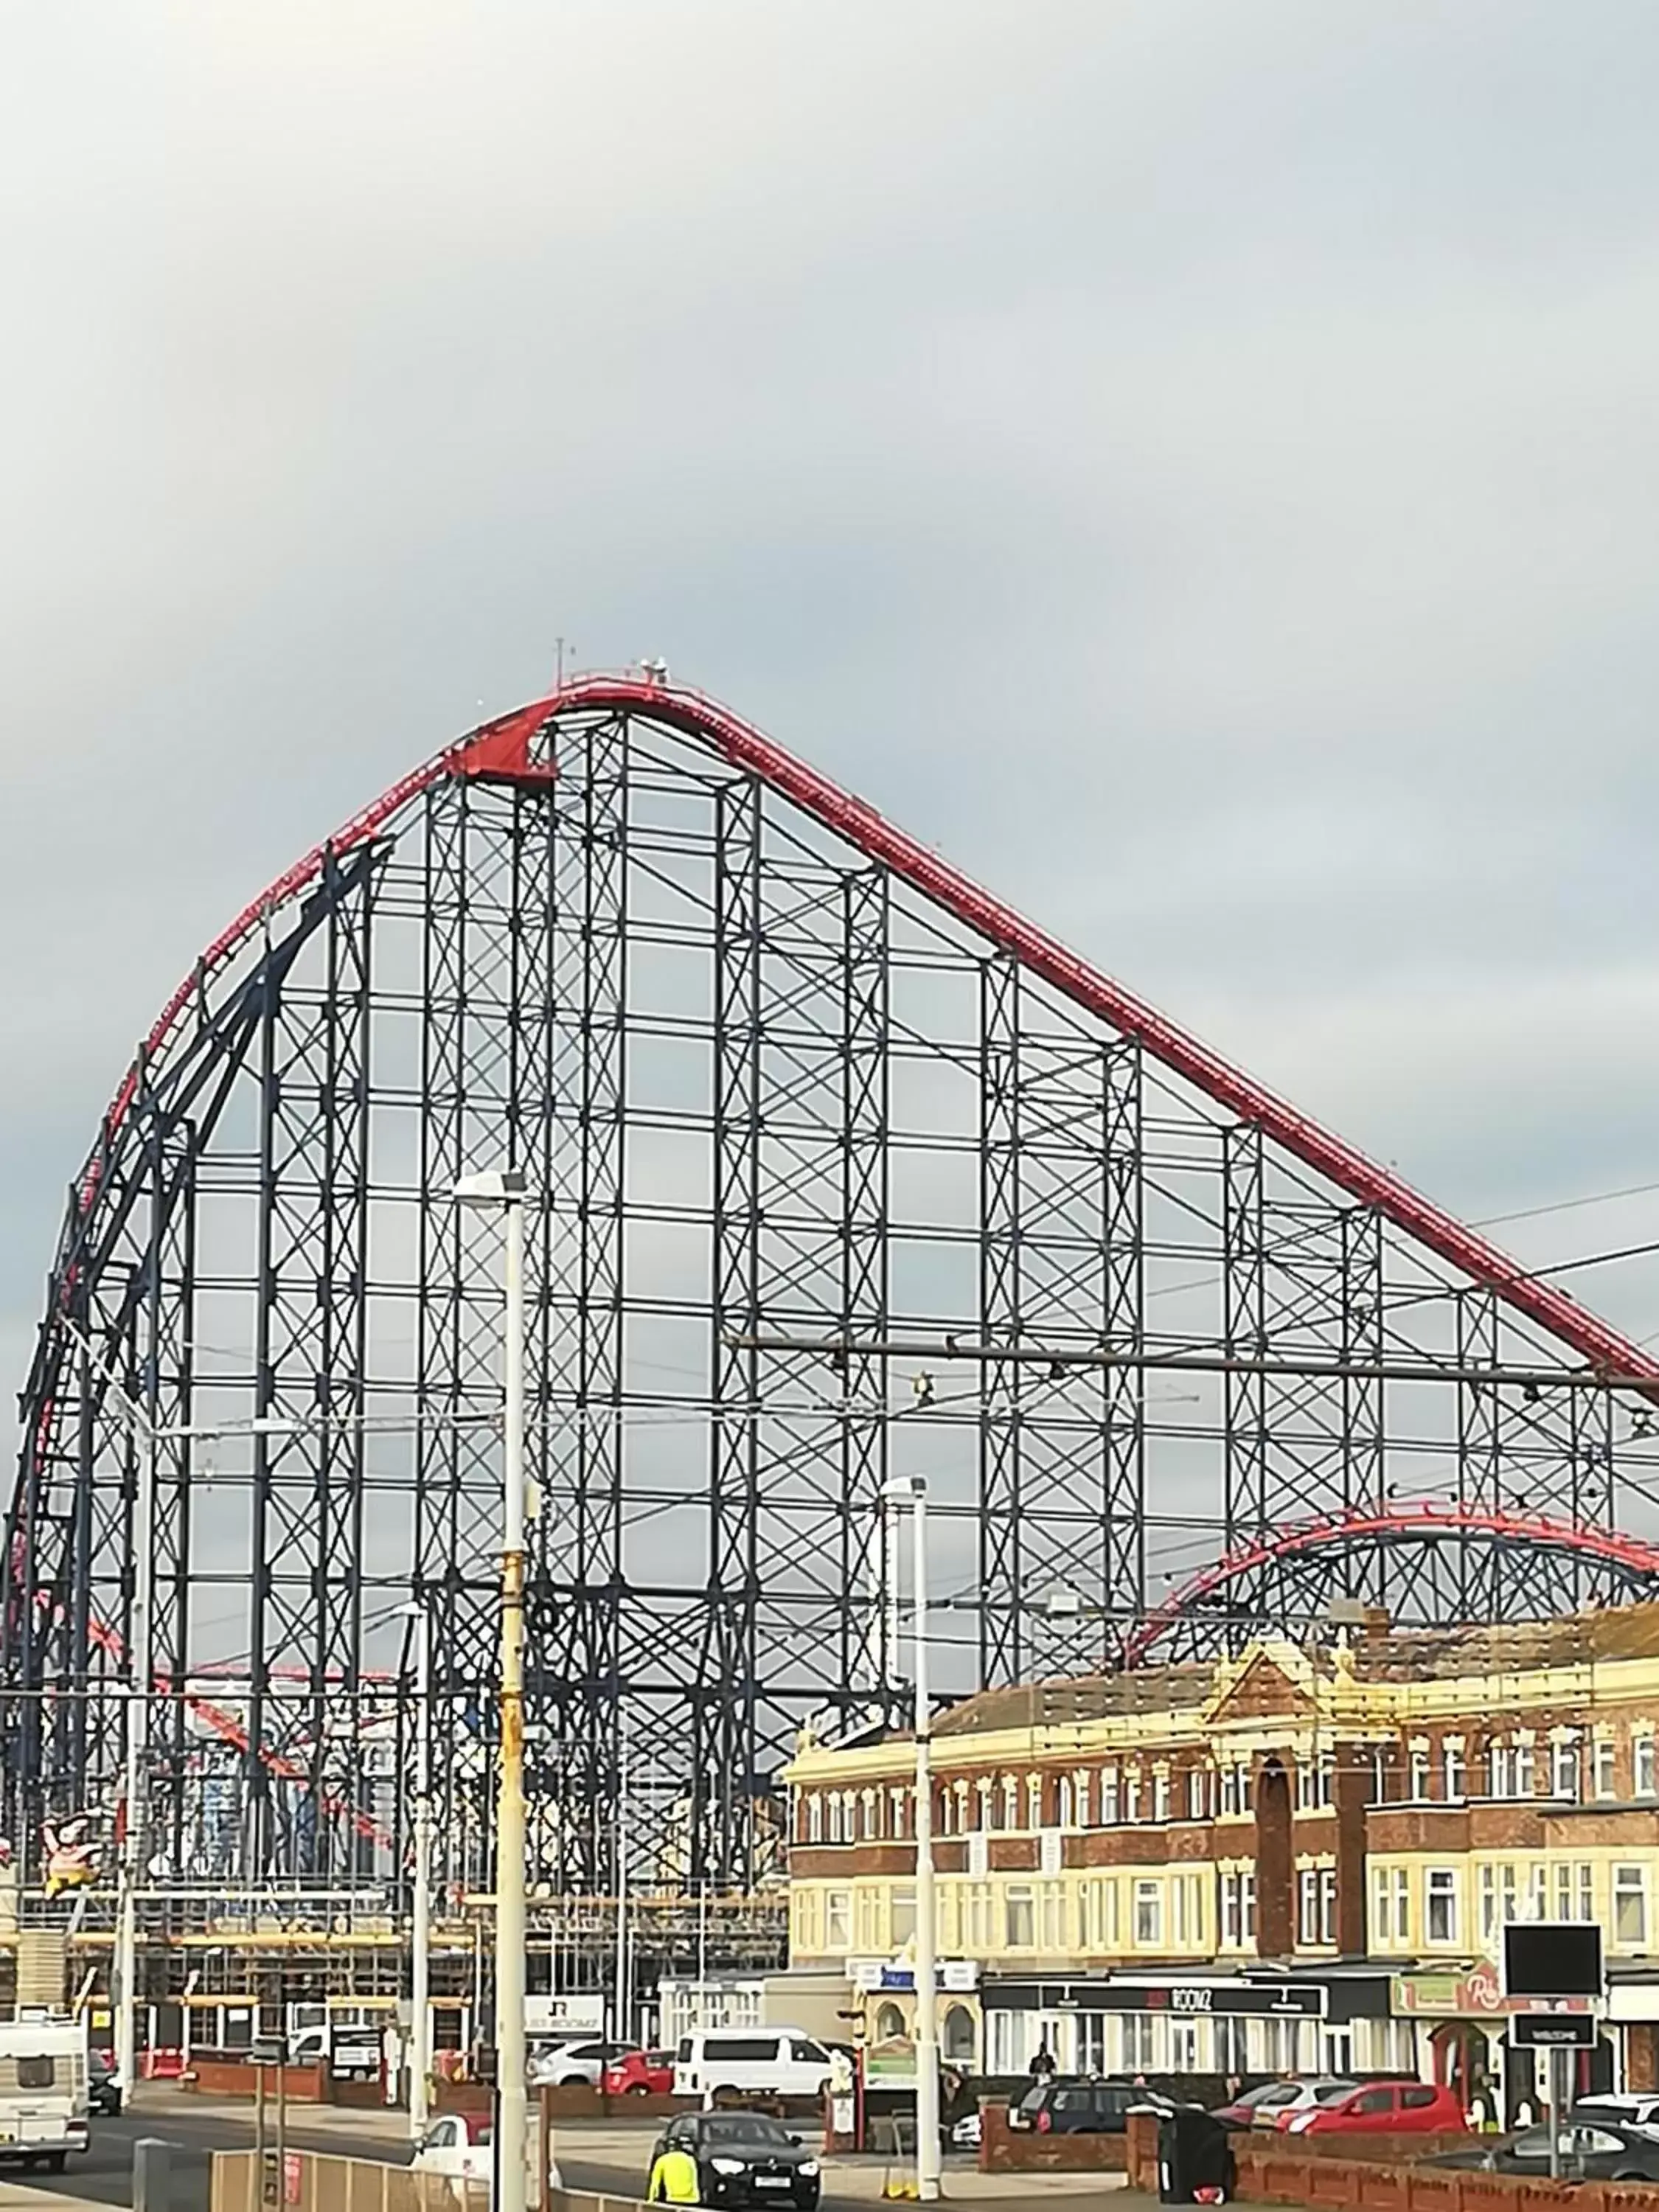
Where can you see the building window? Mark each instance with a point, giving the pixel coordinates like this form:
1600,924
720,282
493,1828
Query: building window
1308,1906
1034,1801
1237,1910
1454,1771
815,1819
1564,1771
1641,1760
903,1917
1232,2043
1229,1790
982,1804
1317,1897
1149,1913
1160,1793
1019,1918
1132,1794
1063,1802
1586,1890
1137,2042
1196,1793
1099,1899
837,1920
1498,1770
1440,1918
1010,1802
1391,1905
1520,1771
1488,1907
1630,1906
898,1810
1379,1777
1109,1803
1419,1771
1606,1784
1183,2046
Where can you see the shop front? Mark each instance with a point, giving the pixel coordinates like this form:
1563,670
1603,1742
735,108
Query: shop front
1462,2021
1222,2025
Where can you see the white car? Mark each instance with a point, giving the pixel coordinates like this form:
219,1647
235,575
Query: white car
584,2060
966,2133
461,2149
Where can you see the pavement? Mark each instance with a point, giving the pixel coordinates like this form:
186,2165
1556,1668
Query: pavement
610,2157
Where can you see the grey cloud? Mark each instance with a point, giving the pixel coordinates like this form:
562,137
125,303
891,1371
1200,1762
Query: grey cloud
1195,464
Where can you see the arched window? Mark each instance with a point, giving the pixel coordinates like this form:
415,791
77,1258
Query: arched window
815,1819
890,2021
958,2038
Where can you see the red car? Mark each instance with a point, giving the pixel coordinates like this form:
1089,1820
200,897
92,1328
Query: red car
640,2074
1384,2108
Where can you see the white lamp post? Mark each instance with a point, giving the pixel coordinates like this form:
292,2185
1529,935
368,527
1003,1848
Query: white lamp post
420,2040
915,1489
504,1189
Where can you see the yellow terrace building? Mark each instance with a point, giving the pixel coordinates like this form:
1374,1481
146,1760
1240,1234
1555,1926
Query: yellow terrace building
1299,1857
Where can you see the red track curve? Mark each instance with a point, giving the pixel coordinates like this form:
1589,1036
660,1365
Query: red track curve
505,748
1395,1524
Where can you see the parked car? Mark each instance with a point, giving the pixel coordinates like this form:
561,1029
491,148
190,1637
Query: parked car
1632,2108
567,2063
967,2131
103,2089
460,2149
744,2158
1082,2104
640,2074
1269,2103
1601,2151
774,2062
1398,2108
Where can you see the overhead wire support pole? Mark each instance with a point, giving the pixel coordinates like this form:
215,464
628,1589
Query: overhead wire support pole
504,1188
912,1489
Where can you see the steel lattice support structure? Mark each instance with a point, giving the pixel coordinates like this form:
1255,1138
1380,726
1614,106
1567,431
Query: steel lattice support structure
769,1068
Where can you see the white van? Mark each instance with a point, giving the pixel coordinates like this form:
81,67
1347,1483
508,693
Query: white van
774,2062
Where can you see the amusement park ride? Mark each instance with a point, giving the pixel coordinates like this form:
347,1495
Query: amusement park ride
796,1104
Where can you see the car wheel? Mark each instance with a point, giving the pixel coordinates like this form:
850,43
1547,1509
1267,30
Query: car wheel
574,2081
57,2162
725,2095
639,2089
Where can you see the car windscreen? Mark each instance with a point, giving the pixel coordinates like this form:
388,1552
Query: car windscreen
743,2128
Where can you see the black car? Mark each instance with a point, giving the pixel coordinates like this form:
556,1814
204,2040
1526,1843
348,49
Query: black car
744,2158
1590,2150
1082,2104
103,2090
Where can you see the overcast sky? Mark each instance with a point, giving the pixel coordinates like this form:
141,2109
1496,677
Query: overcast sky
1196,463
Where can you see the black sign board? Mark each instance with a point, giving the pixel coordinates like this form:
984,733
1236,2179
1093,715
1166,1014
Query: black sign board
1552,1959
1544,2030
1180,2000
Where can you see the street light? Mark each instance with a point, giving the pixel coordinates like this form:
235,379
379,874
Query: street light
141,1670
915,1489
420,2058
504,1189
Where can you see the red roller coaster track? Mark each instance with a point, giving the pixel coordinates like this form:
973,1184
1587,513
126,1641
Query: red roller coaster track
1404,1523
506,748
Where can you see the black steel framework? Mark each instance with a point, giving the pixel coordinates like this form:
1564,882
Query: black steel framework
759,1080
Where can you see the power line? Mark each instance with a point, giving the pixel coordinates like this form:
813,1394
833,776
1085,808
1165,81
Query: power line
1564,1205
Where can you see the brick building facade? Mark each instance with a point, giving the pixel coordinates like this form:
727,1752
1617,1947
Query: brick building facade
1297,1857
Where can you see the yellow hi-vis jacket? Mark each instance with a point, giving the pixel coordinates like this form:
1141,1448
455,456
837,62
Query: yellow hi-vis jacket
674,2180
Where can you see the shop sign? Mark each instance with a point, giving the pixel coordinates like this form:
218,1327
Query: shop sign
1477,1993
873,1976
1251,2000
